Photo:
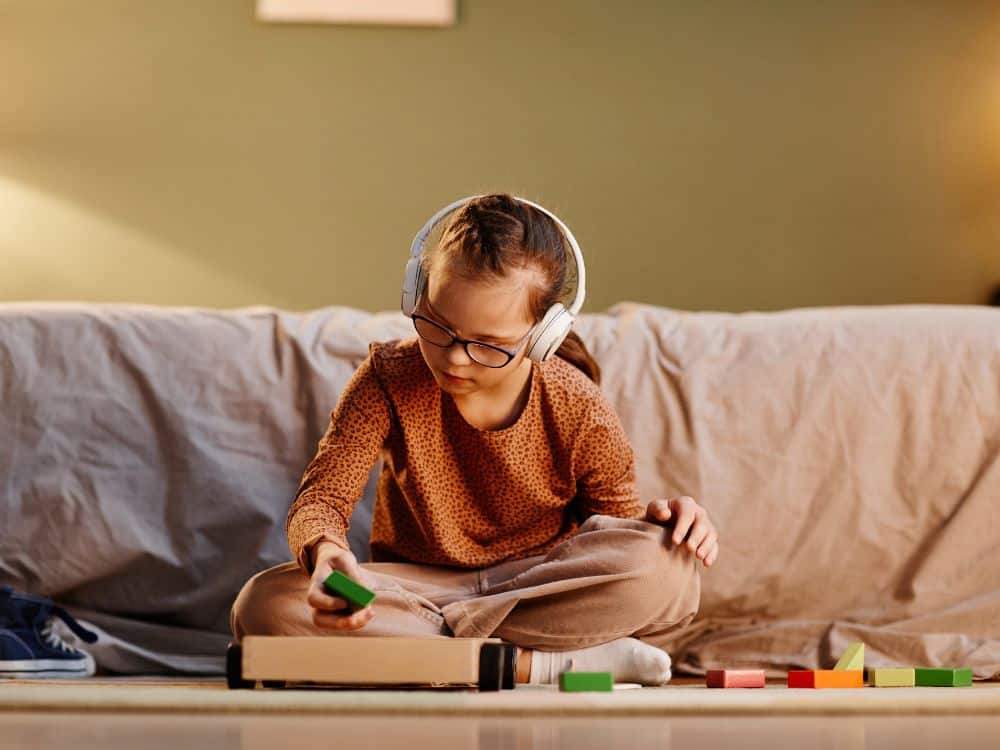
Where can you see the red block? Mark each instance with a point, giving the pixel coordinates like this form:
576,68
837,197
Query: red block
734,678
801,678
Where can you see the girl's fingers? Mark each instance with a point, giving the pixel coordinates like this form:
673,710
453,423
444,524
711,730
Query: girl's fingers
343,622
699,532
333,612
685,517
359,618
711,557
710,540
355,572
319,600
658,510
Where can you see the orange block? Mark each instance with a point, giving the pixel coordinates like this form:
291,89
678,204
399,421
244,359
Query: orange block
826,678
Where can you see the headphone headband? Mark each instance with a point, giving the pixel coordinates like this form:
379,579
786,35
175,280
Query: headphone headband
554,326
417,246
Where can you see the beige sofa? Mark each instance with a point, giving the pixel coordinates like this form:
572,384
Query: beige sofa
849,456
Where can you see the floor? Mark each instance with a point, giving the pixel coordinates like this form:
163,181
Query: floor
248,732
98,727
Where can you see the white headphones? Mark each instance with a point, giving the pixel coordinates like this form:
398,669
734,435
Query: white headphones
554,326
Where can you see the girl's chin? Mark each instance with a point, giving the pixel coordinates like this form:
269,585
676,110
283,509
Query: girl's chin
459,382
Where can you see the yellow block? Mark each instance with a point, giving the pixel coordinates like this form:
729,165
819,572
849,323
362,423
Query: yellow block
853,658
893,677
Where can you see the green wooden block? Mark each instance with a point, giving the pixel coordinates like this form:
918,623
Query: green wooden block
357,596
943,677
586,682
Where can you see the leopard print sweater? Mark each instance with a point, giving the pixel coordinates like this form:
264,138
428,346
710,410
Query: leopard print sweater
449,493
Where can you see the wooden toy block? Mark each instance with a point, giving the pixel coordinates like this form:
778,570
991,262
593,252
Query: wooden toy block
853,658
892,677
357,596
734,678
943,677
487,663
586,682
826,678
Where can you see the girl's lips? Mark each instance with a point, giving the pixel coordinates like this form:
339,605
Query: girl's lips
453,377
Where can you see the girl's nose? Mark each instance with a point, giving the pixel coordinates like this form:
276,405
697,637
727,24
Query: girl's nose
457,355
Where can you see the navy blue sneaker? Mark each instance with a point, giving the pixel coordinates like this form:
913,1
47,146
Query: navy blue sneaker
28,645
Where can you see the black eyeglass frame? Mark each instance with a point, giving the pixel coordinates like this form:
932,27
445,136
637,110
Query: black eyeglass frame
465,342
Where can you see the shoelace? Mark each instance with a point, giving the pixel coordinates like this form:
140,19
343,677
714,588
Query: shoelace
54,641
47,614
47,610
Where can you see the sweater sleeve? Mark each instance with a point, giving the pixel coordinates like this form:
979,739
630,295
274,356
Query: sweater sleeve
336,477
604,464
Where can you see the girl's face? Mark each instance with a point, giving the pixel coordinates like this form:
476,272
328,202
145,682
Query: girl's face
493,311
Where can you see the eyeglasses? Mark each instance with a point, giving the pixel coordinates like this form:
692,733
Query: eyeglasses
488,355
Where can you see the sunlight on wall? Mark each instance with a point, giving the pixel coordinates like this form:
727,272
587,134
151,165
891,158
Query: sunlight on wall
978,160
116,266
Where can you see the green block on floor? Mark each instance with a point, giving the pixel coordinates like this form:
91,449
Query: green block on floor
357,596
943,677
586,682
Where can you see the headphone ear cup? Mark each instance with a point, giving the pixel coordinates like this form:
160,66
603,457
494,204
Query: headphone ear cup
552,330
413,283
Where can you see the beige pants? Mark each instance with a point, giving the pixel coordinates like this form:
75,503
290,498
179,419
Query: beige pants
616,577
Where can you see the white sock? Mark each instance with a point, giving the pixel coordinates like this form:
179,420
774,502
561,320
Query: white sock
628,660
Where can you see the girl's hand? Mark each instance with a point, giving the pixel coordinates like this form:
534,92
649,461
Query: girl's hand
329,611
689,520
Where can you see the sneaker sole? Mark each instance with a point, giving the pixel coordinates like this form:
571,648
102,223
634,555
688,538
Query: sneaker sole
43,668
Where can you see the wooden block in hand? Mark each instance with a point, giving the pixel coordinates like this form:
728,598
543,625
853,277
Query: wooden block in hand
586,682
892,677
942,677
734,678
853,658
357,596
826,678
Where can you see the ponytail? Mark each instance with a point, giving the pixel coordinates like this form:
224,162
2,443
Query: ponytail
574,351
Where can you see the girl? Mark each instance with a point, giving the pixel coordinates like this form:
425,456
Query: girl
506,505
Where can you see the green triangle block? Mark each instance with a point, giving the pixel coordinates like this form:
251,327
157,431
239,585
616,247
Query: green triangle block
853,658
357,596
943,677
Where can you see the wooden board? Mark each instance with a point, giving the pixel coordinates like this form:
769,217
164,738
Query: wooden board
363,660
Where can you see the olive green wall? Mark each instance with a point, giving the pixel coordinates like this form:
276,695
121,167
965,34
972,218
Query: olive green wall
709,155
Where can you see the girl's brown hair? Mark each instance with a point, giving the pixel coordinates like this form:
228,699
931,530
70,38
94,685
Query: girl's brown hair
492,234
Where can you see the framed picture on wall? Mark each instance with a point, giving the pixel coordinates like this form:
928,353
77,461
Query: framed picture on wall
388,12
